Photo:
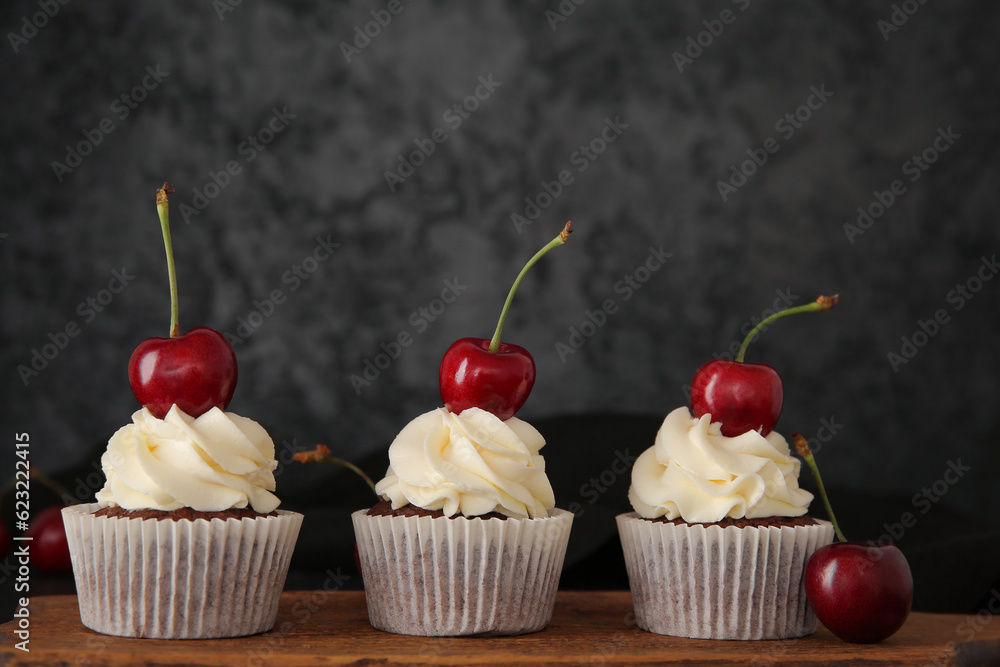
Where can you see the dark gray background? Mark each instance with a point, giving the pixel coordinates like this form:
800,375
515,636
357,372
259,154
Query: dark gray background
323,177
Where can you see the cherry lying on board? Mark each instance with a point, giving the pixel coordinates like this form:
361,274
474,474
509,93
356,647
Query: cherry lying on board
49,550
489,374
861,592
197,370
5,540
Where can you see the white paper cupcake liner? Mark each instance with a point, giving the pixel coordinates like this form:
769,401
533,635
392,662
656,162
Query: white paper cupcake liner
720,583
438,576
182,579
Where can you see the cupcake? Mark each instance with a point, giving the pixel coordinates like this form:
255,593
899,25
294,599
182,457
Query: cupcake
466,539
185,540
719,539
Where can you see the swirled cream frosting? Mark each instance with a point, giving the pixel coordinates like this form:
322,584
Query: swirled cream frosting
470,463
695,473
210,463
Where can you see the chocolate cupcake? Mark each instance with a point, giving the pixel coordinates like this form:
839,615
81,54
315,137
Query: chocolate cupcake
185,540
719,539
466,539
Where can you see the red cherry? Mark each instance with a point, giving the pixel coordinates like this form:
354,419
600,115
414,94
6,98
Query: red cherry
197,371
744,397
489,374
5,540
861,592
473,377
49,550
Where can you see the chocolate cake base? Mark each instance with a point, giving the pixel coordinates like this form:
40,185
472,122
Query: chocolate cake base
769,521
384,508
184,513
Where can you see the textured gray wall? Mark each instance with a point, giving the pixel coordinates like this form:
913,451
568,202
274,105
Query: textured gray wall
553,85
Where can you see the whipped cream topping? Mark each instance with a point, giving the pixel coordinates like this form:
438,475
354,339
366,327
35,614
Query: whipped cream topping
211,463
470,463
695,473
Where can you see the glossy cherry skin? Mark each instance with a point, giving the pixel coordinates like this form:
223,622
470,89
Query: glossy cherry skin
5,540
861,592
196,370
499,382
744,397
49,550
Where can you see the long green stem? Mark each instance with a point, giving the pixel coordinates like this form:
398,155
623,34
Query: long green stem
46,481
557,241
321,454
820,304
355,469
163,210
803,448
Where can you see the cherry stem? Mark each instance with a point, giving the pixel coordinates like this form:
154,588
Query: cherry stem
46,481
163,210
803,448
321,454
353,468
820,304
557,241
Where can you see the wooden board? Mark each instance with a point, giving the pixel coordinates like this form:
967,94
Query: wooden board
331,628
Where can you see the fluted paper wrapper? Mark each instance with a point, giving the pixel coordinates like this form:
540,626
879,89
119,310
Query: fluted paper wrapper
711,582
438,576
182,579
